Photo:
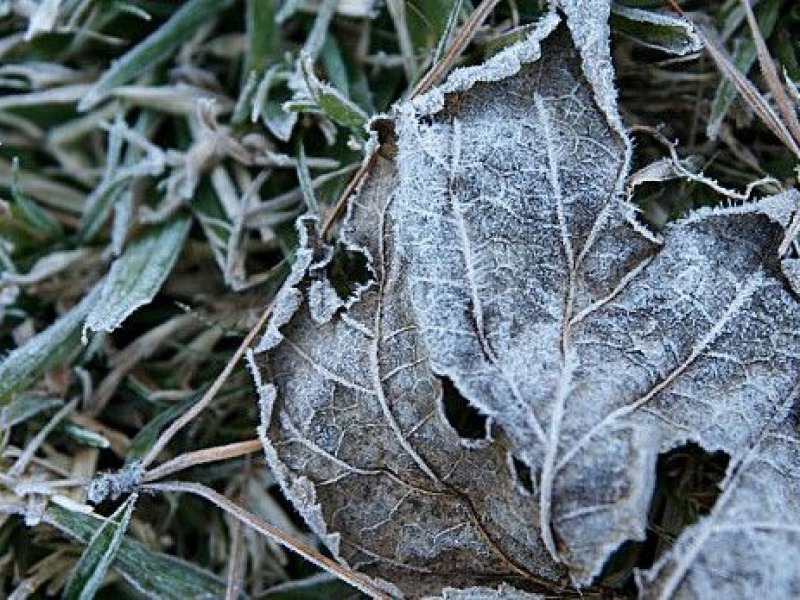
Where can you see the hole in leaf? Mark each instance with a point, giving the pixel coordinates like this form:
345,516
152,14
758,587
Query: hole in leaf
387,137
462,416
522,473
348,272
687,487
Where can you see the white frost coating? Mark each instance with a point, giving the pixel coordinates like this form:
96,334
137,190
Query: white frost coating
587,21
779,208
297,487
593,348
138,274
496,177
288,299
791,269
26,362
323,300
504,592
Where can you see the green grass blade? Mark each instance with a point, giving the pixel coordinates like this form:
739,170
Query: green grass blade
335,66
93,565
158,46
84,436
279,121
26,406
423,23
744,57
304,177
333,103
153,574
449,30
340,109
316,38
52,346
147,436
660,30
31,212
107,194
138,274
262,35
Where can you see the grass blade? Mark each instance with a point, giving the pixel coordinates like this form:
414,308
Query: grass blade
148,434
316,38
93,565
333,103
280,122
304,177
743,58
155,575
460,41
262,35
52,346
138,274
31,212
158,46
26,406
659,30
449,29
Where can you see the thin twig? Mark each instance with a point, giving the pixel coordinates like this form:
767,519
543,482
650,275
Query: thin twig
30,449
208,397
771,76
352,186
459,43
200,457
357,580
236,563
682,171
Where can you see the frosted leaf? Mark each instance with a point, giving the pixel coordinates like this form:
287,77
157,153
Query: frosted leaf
503,259
520,178
588,23
137,275
791,268
591,345
355,431
289,298
662,30
753,533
